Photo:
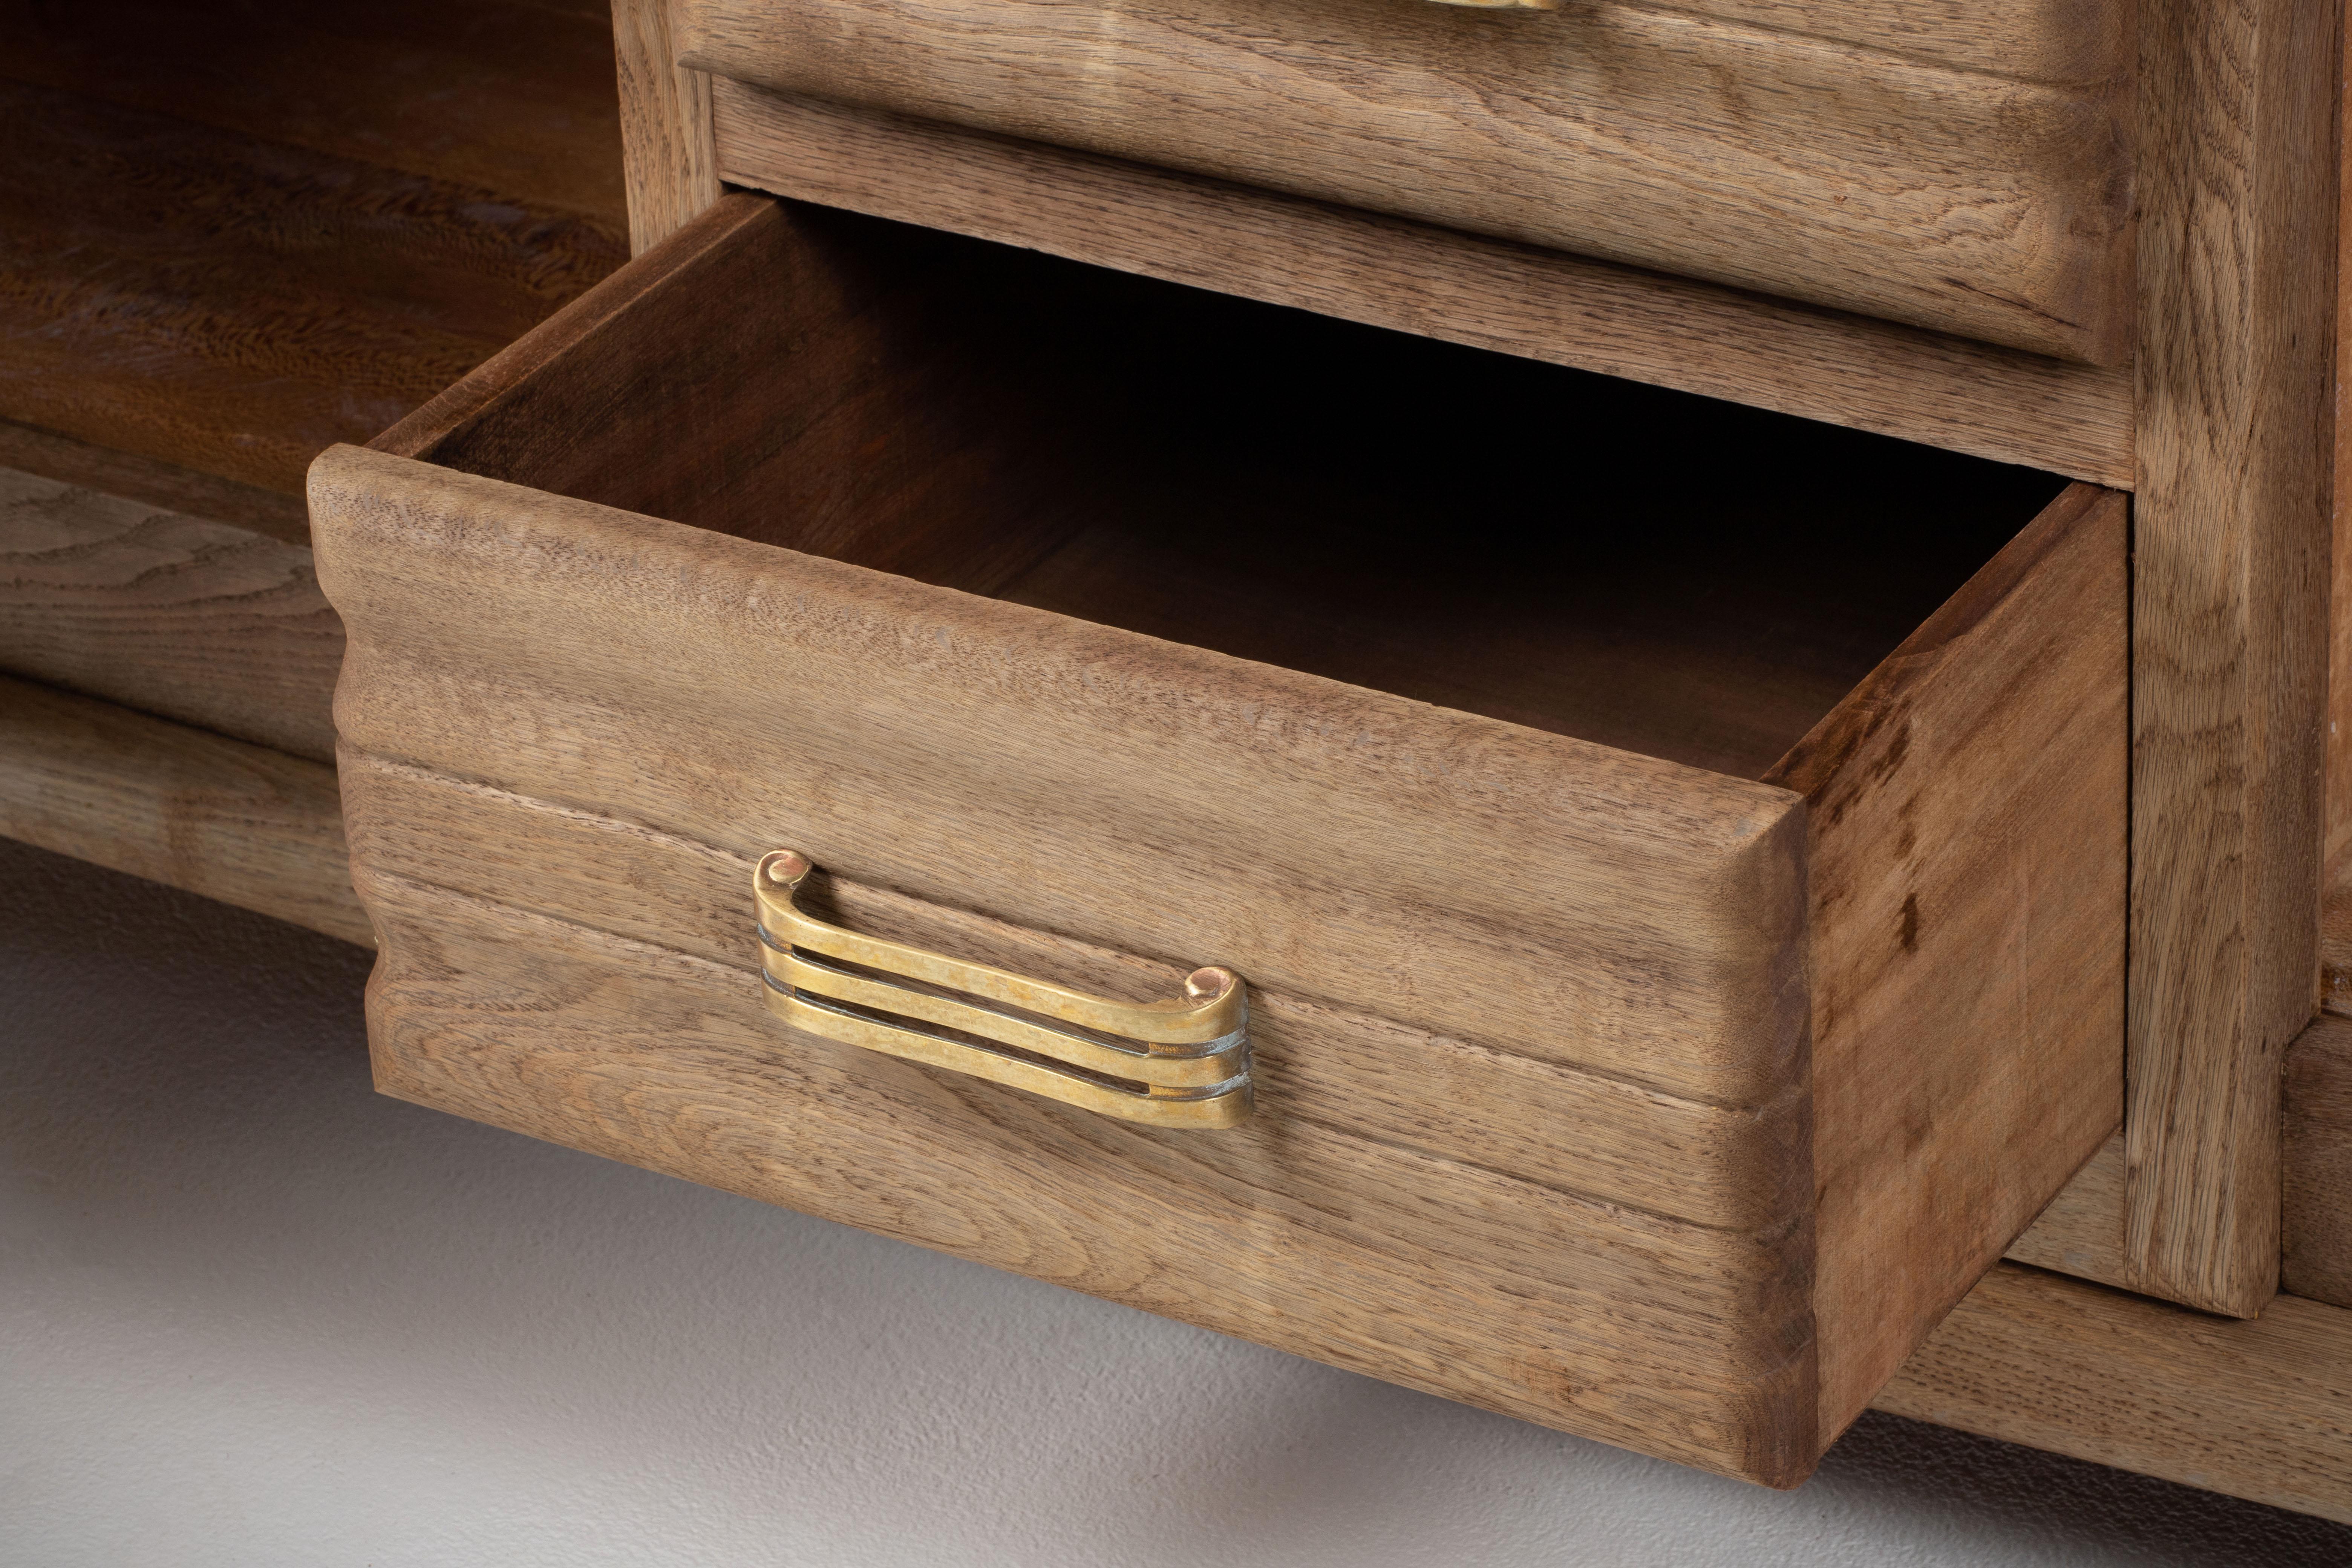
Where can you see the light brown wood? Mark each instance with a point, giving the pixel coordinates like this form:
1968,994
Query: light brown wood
2254,1409
1989,754
1959,200
134,478
667,155
584,716
1009,786
1315,891
2317,1187
2237,188
1370,1256
2082,1231
1695,337
242,823
178,616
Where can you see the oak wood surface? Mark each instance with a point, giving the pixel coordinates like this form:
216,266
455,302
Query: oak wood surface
1052,772
182,617
1421,1271
1965,873
2335,943
2082,1231
2339,625
2256,1409
1096,446
231,305
2242,1408
1075,779
1954,199
874,397
1317,1062
242,823
2237,188
2316,1217
508,96
1696,337
500,721
130,477
671,171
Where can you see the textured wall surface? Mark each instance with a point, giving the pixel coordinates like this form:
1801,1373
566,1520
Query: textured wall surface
252,1314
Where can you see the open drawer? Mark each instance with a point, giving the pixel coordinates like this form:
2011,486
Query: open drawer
1673,854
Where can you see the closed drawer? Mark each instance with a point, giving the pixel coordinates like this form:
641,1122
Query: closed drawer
1675,854
1966,169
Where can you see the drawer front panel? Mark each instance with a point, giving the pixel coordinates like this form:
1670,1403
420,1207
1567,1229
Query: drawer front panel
1563,984
1525,891
1417,1269
1986,200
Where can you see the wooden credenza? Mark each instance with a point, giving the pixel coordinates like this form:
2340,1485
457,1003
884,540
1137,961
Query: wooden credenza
1722,614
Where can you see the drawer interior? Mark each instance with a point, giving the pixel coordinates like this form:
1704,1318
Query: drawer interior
1656,571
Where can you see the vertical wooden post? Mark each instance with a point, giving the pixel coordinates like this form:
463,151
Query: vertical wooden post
2237,183
670,169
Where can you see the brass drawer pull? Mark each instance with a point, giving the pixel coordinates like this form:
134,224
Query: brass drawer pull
1182,1063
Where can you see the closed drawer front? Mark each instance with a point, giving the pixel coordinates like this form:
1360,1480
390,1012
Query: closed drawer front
1968,170
1675,854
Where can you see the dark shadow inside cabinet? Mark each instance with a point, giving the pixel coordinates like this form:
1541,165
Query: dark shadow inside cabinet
1646,569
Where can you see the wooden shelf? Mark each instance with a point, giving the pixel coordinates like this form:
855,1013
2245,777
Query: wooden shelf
232,237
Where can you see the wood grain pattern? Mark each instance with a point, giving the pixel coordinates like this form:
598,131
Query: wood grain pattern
1048,770
134,478
242,823
1019,815
2317,1210
671,171
2082,1231
1318,1062
231,306
547,709
178,616
2237,182
2254,1409
2339,589
2336,944
1843,369
401,691
510,96
1956,200
1095,445
1419,1269
1966,871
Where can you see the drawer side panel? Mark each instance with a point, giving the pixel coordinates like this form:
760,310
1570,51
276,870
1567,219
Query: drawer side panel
1969,857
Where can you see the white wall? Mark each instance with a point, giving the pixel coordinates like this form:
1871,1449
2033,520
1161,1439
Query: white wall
252,1314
